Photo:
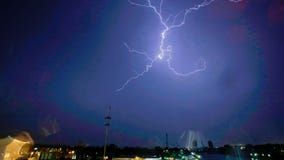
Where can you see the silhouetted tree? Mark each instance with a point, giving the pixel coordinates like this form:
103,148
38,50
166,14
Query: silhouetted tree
210,144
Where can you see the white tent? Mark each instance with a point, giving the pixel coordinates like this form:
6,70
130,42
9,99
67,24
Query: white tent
12,148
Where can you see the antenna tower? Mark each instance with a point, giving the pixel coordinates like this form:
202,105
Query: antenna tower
107,124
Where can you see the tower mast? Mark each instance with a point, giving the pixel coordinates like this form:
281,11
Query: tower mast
107,124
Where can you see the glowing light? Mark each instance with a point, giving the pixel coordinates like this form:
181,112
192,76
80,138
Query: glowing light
16,147
138,158
165,51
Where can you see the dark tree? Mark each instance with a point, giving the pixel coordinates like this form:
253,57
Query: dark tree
210,144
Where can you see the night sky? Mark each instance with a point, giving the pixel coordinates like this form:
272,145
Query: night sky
62,62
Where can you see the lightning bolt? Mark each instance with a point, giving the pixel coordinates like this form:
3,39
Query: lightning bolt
165,51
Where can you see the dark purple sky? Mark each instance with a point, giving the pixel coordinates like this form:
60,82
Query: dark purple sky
61,63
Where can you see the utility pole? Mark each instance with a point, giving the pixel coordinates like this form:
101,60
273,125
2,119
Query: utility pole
107,124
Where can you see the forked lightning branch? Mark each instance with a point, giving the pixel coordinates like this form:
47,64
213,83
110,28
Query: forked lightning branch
168,24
